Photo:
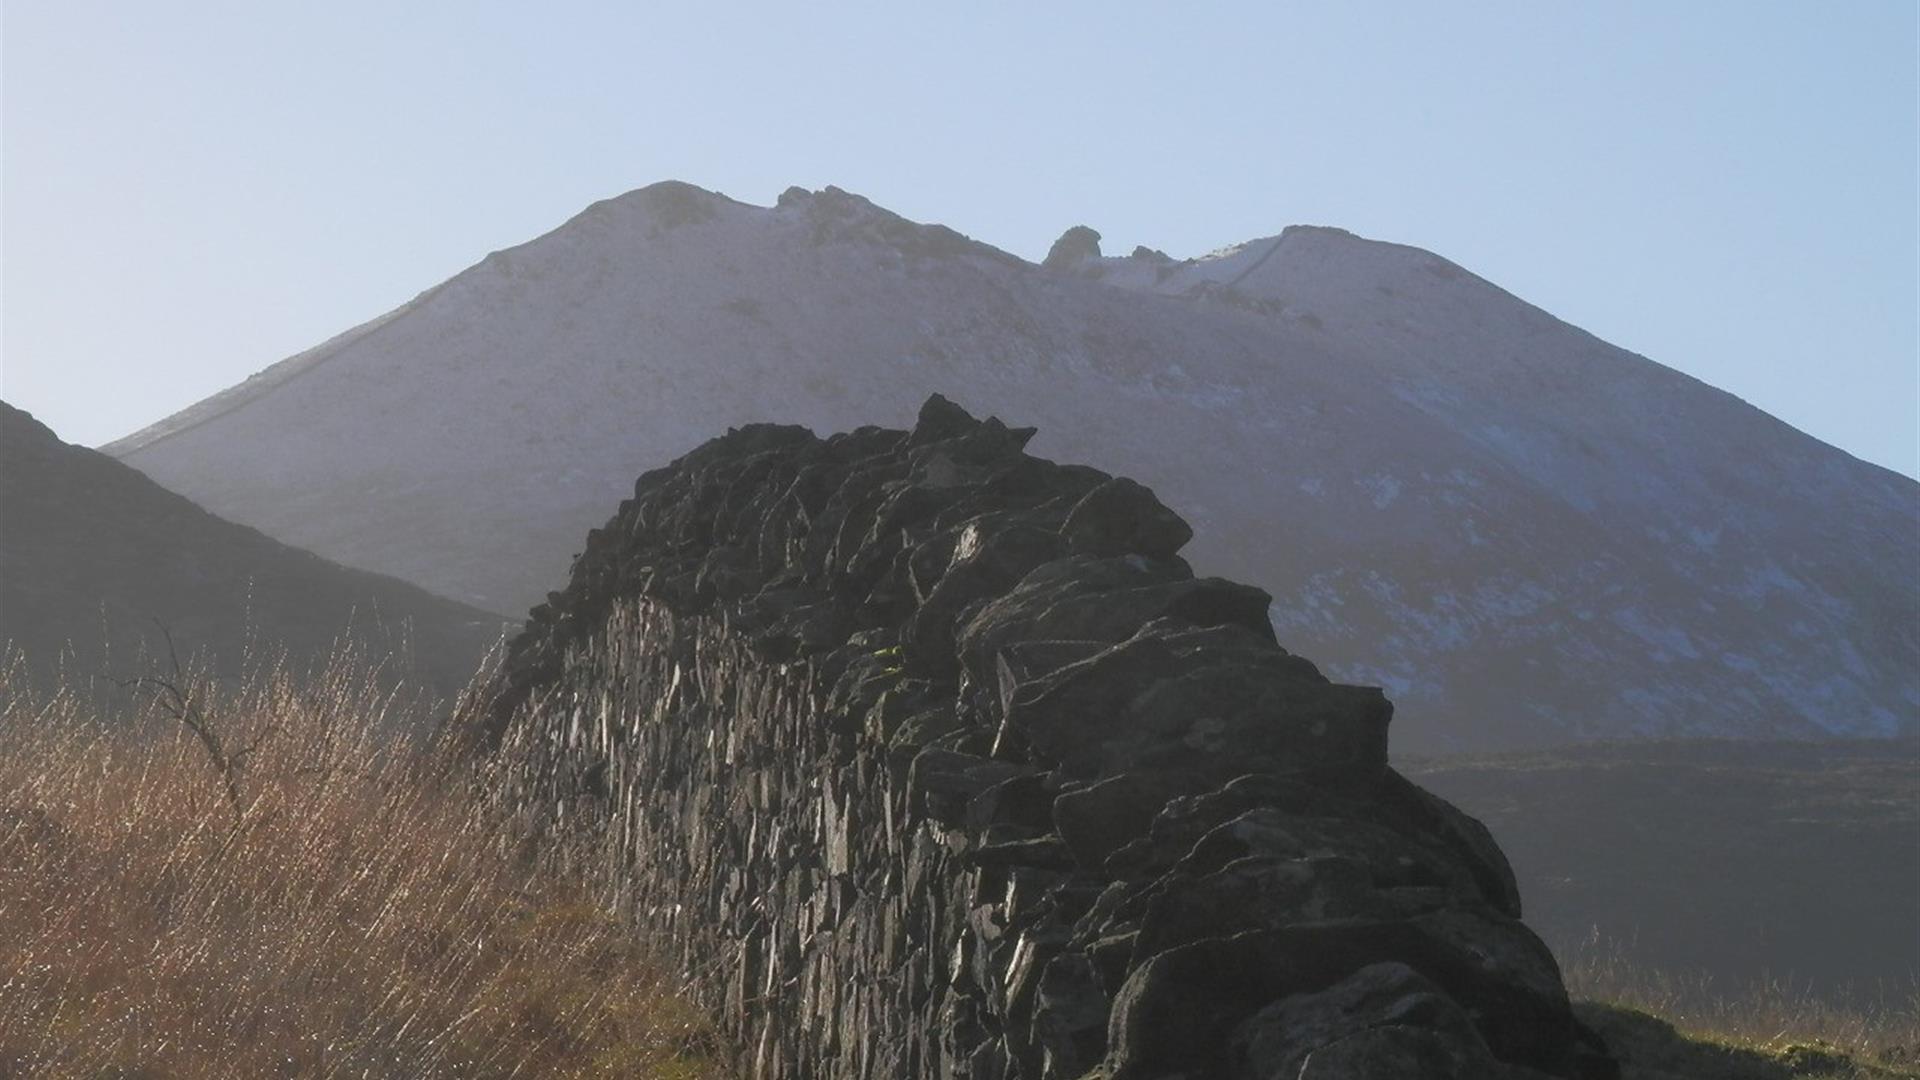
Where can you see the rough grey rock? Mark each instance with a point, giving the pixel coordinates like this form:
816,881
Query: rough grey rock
1121,517
1383,1022
1075,247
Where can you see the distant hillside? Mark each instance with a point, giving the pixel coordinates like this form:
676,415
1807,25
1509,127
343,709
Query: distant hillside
1523,533
1743,860
95,558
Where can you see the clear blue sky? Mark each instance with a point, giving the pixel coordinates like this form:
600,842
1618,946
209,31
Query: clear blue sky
195,190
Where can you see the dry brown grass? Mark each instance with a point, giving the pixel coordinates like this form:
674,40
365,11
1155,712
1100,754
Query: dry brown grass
366,915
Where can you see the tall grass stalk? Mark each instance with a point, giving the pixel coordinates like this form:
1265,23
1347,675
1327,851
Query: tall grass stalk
356,909
1877,1023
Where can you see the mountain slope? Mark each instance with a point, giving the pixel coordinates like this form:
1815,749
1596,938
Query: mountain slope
95,559
1739,860
1524,533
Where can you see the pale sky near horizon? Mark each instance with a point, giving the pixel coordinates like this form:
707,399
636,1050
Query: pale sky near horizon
192,191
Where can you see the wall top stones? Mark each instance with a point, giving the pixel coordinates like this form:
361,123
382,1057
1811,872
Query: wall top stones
935,759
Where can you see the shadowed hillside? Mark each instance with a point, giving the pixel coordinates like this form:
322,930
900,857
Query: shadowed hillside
96,560
1796,862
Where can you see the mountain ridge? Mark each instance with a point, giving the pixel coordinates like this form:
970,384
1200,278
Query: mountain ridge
1479,505
265,380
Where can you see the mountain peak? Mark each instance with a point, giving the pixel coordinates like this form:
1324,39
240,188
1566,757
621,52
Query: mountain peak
664,204
1436,480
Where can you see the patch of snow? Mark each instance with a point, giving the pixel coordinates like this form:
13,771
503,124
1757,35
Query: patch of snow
1383,487
1668,641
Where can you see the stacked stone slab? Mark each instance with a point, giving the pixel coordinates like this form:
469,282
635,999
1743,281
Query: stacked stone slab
935,759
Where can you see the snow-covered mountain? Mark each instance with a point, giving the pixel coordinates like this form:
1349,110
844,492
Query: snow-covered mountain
1524,533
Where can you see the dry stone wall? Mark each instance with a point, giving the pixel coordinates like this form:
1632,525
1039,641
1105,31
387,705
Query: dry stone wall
935,760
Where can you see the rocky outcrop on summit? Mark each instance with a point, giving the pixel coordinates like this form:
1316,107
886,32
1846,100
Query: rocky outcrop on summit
935,759
1075,247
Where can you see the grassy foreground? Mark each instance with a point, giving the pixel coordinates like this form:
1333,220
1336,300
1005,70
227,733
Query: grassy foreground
261,879
342,908
1663,1025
